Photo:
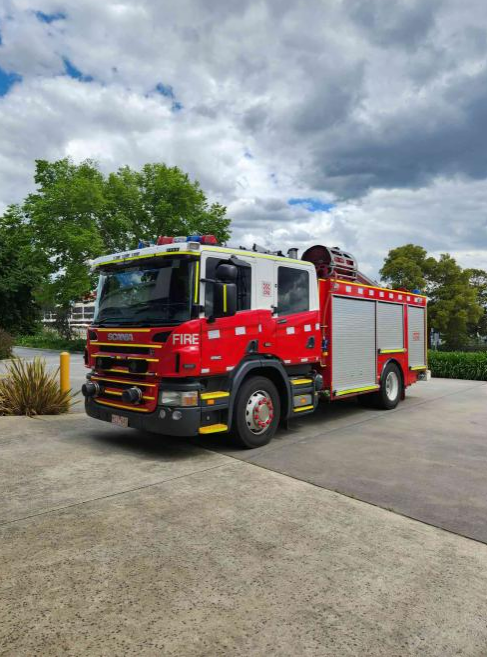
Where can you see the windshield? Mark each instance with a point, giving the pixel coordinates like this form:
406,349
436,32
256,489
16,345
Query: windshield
153,294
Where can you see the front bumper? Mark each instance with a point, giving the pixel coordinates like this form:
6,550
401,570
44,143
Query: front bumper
188,425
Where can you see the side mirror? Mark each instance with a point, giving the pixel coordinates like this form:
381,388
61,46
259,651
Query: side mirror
226,272
224,298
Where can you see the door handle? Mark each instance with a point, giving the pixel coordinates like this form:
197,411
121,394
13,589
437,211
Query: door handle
282,321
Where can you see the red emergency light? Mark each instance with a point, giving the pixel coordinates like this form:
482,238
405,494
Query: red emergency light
202,239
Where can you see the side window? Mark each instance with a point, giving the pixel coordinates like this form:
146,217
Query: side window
244,281
292,290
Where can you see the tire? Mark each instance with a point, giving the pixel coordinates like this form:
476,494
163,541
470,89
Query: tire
390,391
257,412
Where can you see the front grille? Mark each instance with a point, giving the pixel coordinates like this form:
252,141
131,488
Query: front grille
123,350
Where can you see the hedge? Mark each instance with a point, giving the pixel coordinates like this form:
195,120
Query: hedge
458,365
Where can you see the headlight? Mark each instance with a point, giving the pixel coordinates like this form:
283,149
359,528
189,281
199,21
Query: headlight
179,398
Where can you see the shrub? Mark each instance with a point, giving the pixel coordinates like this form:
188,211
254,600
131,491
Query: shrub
29,389
6,344
49,339
458,365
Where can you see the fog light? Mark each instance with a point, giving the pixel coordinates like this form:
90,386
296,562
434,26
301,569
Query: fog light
162,414
177,415
132,395
90,389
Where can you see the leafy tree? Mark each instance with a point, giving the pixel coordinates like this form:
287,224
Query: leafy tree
453,308
77,214
161,200
21,270
478,280
407,267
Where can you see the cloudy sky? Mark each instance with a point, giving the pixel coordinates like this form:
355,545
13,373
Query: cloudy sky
358,123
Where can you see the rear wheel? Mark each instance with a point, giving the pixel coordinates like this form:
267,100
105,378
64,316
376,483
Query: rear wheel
391,388
257,411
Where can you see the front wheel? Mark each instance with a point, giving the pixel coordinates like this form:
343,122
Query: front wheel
257,412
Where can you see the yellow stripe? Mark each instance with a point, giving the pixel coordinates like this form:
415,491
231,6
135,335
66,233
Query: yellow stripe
136,383
297,382
130,408
149,255
352,390
119,394
125,344
224,298
303,408
122,330
215,395
419,367
374,287
254,254
213,428
197,281
392,351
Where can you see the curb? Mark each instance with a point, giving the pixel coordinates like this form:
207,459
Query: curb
54,351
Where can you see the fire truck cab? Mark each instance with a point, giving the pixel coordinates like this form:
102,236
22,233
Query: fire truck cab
191,338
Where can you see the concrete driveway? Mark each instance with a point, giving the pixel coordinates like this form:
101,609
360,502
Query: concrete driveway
115,542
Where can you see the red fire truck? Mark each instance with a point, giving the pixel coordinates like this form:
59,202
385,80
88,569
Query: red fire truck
190,338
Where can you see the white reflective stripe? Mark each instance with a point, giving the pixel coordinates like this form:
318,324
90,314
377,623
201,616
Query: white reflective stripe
230,367
287,361
215,357
317,327
371,293
213,334
304,360
290,330
240,330
260,328
391,296
360,290
307,328
348,288
204,370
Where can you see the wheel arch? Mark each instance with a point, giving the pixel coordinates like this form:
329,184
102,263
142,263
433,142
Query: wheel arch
394,361
271,369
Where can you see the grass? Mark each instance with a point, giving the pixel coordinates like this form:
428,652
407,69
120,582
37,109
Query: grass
458,365
28,388
48,339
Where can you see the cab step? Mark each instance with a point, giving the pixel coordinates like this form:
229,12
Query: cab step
213,428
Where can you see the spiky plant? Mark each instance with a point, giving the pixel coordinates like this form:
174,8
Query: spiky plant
28,388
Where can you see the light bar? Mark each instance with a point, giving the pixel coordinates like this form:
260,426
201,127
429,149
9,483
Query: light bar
201,239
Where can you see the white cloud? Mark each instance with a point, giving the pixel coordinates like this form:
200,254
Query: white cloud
381,112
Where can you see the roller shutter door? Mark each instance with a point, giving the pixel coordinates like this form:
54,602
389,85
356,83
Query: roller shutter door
416,335
390,326
354,346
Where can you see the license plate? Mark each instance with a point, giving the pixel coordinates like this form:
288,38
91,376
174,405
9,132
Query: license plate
120,421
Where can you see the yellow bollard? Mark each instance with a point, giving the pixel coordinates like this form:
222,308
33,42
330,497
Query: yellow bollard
64,371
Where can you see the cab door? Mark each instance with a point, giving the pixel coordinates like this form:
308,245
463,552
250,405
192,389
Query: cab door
297,316
225,340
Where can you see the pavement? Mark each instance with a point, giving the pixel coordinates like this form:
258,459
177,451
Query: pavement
118,542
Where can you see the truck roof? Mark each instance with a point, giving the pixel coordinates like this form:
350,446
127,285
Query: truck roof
186,248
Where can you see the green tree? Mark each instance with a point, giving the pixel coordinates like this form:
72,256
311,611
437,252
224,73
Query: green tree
77,213
407,267
21,270
161,200
478,280
453,308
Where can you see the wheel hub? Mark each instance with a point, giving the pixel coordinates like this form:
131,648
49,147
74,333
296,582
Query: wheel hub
392,386
259,412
